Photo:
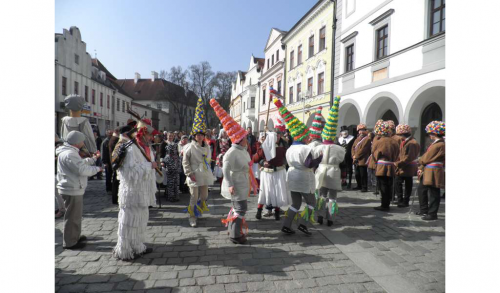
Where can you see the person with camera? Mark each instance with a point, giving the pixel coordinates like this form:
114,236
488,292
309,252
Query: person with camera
72,175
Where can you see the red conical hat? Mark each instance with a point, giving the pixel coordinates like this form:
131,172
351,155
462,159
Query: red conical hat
234,130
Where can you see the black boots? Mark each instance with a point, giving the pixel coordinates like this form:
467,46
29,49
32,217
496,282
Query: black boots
320,220
258,216
277,214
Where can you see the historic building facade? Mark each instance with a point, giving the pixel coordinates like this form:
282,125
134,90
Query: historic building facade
391,62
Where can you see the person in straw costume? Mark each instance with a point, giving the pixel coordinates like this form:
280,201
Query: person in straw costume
196,164
300,175
237,175
328,172
385,153
136,193
431,172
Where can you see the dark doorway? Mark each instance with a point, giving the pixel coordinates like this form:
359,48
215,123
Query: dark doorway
389,115
431,112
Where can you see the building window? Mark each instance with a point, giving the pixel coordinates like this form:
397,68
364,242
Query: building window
437,24
76,87
117,104
279,87
128,106
108,102
277,55
311,46
93,97
321,82
291,59
309,86
123,106
267,63
101,100
77,59
86,94
158,106
272,60
64,92
299,55
263,97
349,58
322,39
252,102
382,39
299,90
291,95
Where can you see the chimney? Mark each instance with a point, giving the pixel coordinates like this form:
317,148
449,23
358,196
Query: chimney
137,77
154,75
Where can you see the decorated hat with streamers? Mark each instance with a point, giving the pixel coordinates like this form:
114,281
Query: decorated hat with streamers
317,124
234,130
298,130
330,130
360,126
403,128
436,127
199,123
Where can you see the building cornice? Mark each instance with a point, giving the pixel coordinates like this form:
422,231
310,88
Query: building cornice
349,37
272,70
310,16
382,17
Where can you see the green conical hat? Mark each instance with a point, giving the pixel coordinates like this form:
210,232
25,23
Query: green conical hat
199,123
298,130
330,130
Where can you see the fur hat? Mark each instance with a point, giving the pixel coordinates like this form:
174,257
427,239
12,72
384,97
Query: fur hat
403,128
200,123
330,130
74,102
297,129
317,124
436,127
235,132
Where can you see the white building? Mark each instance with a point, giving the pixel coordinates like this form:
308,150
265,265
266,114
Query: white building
245,94
390,62
76,72
272,76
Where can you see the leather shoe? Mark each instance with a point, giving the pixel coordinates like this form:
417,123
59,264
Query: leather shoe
403,205
304,229
287,230
239,240
429,218
329,223
320,220
382,209
420,213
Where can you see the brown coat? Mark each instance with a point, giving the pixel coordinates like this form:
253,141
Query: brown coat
372,164
362,151
385,149
398,139
433,176
408,153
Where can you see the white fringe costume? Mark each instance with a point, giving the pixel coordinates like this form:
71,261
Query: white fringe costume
137,192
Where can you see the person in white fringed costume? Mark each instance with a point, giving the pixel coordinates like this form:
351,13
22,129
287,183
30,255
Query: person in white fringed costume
136,193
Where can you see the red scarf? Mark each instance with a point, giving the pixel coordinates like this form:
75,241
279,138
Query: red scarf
145,147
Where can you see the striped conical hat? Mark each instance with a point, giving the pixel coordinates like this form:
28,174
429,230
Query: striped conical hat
317,124
199,123
298,130
234,130
330,130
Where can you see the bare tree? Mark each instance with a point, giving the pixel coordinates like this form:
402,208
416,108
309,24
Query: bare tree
203,85
178,76
223,83
176,96
163,74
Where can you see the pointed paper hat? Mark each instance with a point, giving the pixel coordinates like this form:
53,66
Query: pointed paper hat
199,123
317,124
298,130
330,130
234,130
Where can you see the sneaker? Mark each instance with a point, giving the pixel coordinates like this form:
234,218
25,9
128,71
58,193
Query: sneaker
304,229
192,221
287,230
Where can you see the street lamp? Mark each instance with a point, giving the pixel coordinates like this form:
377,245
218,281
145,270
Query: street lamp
303,96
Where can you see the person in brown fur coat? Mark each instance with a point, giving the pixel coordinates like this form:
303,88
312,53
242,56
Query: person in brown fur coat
385,153
431,172
360,153
406,165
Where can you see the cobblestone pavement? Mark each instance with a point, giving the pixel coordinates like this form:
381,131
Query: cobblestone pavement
364,251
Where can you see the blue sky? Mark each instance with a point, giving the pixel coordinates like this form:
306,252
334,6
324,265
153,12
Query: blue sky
141,36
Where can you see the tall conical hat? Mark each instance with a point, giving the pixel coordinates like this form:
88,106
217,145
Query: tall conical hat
317,124
330,130
298,130
199,123
234,130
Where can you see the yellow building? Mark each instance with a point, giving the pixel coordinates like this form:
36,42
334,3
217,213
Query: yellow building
308,62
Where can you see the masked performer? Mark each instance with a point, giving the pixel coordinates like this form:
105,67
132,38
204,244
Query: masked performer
328,172
346,141
196,164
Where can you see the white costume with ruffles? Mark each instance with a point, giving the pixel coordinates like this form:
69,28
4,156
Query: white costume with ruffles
136,193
